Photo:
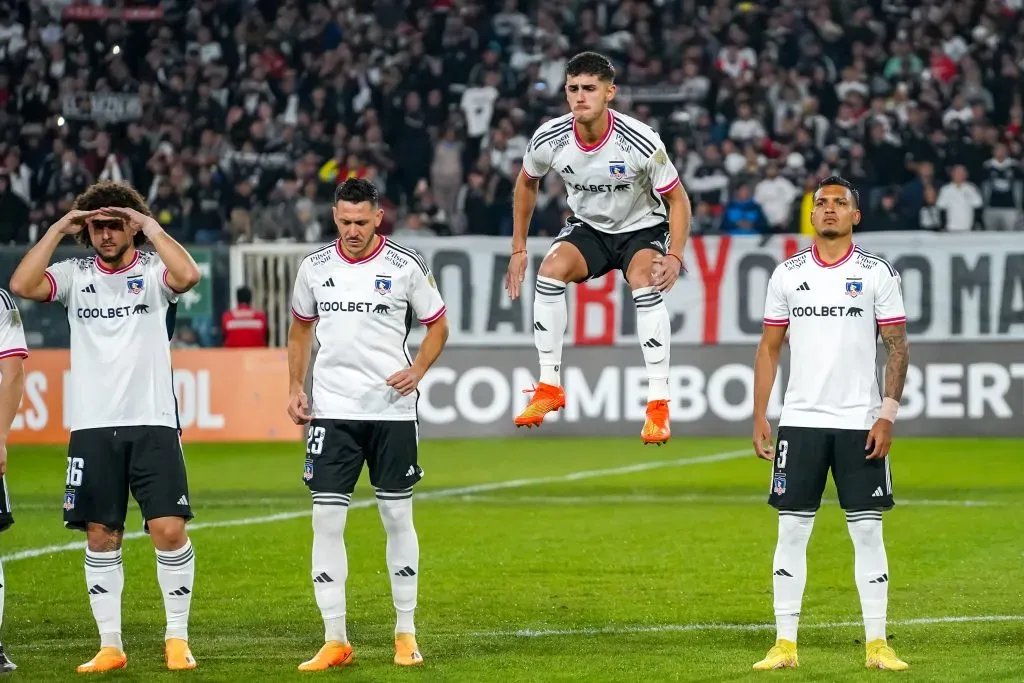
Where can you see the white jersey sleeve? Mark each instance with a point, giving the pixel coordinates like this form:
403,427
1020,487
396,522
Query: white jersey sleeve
662,172
889,308
158,270
61,276
303,301
538,157
425,299
776,307
12,333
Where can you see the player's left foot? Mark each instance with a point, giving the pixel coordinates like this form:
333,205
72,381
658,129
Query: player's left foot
546,398
177,655
6,665
656,428
407,652
881,656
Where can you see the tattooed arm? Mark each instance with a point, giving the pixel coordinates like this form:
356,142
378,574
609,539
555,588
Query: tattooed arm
897,348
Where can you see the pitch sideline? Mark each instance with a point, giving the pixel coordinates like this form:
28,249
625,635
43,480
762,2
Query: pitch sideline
426,495
675,628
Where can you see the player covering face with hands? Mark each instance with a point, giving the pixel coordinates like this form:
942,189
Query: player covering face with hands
833,415
630,214
361,293
125,434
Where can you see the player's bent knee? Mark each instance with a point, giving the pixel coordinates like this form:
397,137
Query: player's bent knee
564,263
167,533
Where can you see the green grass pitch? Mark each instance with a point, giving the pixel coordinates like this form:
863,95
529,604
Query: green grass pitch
651,565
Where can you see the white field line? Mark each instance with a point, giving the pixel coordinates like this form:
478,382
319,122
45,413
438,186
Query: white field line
641,498
674,628
426,495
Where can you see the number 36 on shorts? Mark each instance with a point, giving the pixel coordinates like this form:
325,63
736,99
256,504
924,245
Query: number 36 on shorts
75,466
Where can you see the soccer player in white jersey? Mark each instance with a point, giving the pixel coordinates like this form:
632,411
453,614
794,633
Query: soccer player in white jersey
630,213
125,435
834,299
361,292
13,351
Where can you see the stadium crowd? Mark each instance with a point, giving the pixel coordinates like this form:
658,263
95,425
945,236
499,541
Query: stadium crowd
237,119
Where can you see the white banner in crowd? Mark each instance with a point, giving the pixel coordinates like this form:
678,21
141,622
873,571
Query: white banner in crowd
956,287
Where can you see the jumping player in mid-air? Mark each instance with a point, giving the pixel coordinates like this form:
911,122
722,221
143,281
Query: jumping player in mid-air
630,213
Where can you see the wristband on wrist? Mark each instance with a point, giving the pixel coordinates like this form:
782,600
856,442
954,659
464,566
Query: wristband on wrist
890,407
681,266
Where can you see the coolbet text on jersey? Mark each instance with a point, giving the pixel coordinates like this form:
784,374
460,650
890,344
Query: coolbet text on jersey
118,319
833,313
366,309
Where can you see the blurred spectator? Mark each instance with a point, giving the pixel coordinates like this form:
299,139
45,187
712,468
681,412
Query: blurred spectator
243,326
744,216
960,202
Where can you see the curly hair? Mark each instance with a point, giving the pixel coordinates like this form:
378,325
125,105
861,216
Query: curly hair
109,193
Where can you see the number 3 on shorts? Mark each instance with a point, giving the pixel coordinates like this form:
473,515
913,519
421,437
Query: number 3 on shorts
780,461
315,440
75,466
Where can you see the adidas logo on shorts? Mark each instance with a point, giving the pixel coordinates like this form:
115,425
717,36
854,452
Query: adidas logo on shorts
183,501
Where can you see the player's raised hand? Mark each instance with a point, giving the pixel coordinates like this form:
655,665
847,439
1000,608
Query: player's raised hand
879,440
516,274
72,222
665,272
763,439
134,221
298,408
405,381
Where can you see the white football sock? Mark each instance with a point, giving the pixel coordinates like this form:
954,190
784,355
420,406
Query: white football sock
789,570
104,579
654,328
176,573
330,561
550,316
871,569
403,554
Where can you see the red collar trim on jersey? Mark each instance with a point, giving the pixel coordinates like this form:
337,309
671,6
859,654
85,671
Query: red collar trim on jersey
107,271
600,143
369,257
817,259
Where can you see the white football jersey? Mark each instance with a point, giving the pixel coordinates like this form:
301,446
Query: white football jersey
12,333
364,311
121,323
833,313
615,185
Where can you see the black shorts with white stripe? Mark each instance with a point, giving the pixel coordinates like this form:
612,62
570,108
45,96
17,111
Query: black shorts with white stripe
803,458
6,514
337,449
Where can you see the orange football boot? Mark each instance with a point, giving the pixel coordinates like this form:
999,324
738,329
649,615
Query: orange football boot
407,652
178,655
546,398
107,659
656,428
331,654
